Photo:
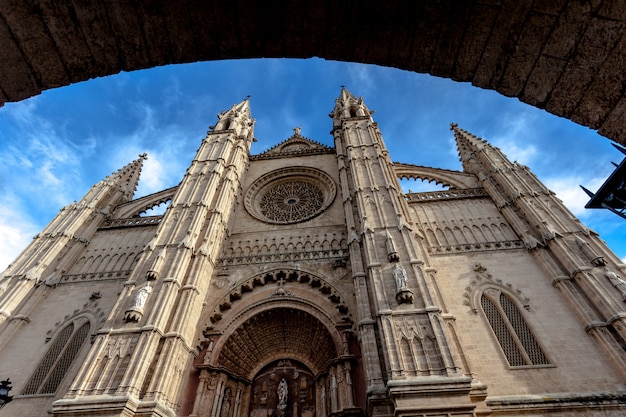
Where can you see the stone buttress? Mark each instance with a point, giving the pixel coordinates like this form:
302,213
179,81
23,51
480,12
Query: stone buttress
141,356
579,264
395,300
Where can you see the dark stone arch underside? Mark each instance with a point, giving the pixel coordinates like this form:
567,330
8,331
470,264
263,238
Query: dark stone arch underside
565,56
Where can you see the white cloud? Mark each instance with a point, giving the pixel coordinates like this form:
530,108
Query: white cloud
523,155
16,230
41,164
568,190
362,77
515,138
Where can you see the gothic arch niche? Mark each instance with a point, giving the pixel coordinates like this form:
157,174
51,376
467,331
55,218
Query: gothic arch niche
284,388
272,341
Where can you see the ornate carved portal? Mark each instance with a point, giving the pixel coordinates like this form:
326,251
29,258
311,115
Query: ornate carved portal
280,362
284,388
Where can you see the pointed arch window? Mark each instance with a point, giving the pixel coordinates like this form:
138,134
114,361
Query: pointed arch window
58,359
515,337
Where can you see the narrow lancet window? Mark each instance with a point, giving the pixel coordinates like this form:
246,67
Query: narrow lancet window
56,362
515,337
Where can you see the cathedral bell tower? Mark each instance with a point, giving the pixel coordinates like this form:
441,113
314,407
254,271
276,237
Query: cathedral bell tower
407,357
139,360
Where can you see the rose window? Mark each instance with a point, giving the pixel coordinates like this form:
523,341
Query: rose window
291,201
290,195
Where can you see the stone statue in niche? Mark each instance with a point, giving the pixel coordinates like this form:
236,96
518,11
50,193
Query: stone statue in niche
617,281
399,274
226,403
284,388
139,300
403,294
282,396
135,312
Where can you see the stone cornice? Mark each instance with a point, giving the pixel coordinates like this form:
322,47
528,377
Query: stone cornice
338,254
305,152
454,194
94,276
476,247
132,222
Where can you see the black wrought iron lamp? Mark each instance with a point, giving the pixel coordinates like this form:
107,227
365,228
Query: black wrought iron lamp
5,387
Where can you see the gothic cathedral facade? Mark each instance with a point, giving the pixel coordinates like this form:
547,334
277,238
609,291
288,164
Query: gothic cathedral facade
303,282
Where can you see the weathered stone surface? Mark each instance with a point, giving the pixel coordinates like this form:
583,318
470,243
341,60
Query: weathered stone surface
606,90
427,31
92,21
613,126
597,42
179,26
16,77
158,46
32,35
474,40
61,21
504,45
532,38
203,27
450,38
542,79
501,44
128,32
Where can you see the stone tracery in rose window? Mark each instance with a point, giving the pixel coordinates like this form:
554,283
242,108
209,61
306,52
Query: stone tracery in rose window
290,195
291,201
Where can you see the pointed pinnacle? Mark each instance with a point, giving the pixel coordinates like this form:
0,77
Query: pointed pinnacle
619,148
589,193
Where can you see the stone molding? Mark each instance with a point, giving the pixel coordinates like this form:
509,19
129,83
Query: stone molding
445,177
94,276
451,194
279,276
132,222
482,281
338,254
476,247
549,402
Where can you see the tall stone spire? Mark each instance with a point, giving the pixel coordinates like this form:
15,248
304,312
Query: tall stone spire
472,149
68,232
174,273
377,216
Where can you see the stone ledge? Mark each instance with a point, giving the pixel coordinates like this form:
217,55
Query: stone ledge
558,401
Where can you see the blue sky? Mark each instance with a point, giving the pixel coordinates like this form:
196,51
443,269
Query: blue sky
54,146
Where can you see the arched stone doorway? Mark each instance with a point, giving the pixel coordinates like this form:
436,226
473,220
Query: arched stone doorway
281,361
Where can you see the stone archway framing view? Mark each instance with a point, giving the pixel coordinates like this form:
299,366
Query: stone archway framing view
564,56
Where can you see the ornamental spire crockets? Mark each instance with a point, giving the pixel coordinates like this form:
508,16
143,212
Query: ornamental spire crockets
467,145
347,105
237,118
118,187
